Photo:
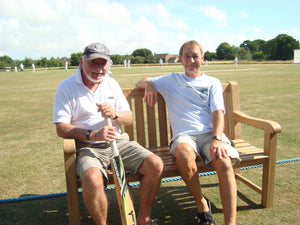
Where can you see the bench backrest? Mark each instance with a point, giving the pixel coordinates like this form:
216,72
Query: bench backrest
151,126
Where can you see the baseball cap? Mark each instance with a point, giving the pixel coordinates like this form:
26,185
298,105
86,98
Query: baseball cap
96,50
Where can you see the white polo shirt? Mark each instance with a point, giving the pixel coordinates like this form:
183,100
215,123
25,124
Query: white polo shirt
76,104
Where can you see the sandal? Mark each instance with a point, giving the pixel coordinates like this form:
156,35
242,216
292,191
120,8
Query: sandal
206,218
153,222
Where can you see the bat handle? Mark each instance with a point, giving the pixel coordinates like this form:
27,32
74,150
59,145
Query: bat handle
108,121
113,145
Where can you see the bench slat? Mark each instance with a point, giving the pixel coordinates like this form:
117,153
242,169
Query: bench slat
151,123
140,125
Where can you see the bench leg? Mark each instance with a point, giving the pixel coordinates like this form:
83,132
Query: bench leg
72,189
268,182
73,206
237,171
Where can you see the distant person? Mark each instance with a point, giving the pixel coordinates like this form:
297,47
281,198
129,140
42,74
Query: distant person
128,64
82,102
21,67
196,112
33,68
236,60
16,69
206,62
124,63
66,66
160,62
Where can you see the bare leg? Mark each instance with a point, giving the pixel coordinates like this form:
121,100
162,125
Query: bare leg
151,170
94,195
228,190
186,165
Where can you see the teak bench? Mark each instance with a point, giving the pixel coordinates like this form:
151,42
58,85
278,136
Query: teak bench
151,129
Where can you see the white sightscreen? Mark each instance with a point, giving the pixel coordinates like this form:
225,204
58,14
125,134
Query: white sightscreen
297,56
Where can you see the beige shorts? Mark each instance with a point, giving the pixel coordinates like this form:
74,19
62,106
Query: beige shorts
98,155
201,143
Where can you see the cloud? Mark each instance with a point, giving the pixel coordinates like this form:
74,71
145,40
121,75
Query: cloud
217,15
243,14
140,34
33,12
208,40
292,31
168,20
108,12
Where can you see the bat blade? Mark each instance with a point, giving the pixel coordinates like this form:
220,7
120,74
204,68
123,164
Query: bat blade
124,197
126,207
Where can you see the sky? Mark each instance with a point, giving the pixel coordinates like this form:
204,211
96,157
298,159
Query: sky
57,28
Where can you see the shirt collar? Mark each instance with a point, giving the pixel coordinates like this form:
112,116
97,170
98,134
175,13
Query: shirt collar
78,76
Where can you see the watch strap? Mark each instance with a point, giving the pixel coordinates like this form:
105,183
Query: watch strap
87,134
218,138
117,115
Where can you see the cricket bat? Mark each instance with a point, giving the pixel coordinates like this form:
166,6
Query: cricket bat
126,207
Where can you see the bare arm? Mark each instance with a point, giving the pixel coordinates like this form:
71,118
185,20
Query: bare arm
218,122
150,96
216,149
106,133
66,130
124,117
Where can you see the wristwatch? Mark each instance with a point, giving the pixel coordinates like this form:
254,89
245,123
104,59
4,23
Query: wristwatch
87,134
218,138
117,115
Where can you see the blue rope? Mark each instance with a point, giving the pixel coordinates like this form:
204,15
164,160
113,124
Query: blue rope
112,187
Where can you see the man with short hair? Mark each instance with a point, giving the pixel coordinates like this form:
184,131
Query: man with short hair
82,101
196,111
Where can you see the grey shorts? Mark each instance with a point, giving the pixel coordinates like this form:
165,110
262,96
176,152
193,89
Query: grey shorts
201,143
98,155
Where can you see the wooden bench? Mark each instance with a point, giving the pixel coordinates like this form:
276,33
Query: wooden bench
152,130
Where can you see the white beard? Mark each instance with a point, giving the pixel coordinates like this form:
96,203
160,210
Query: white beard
90,78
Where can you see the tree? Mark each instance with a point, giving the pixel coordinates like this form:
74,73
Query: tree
260,44
27,62
251,45
242,53
150,59
225,51
143,52
210,56
138,60
270,49
117,59
75,58
285,47
6,61
281,47
43,62
258,55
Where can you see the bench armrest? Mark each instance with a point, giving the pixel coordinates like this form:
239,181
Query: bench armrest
269,126
69,146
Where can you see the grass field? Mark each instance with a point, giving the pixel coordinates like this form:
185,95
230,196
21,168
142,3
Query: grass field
31,158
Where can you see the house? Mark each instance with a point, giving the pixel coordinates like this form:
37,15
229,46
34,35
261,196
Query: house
167,58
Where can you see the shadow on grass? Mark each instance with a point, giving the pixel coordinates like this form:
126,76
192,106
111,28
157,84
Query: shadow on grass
173,205
249,204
